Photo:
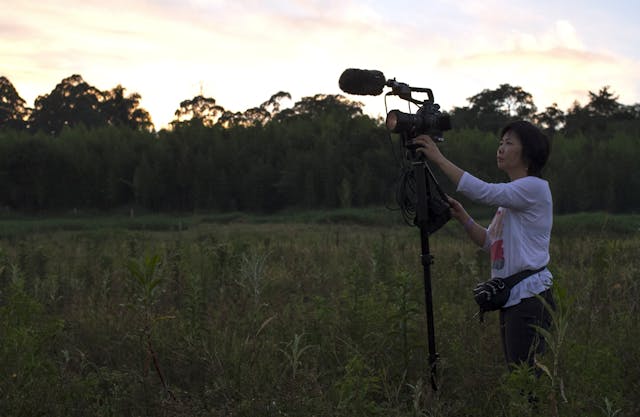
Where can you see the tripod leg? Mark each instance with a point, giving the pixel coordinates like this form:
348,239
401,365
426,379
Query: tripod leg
422,213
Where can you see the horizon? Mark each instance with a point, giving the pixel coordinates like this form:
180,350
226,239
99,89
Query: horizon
351,97
242,53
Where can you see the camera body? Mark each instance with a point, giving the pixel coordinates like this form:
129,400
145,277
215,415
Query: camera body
427,120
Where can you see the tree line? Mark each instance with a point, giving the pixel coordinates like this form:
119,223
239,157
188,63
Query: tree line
82,148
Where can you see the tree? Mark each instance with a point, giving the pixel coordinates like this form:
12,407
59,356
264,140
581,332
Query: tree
465,118
230,119
259,116
326,104
596,117
71,103
551,119
492,109
74,102
199,109
13,111
119,110
604,103
256,116
633,110
273,104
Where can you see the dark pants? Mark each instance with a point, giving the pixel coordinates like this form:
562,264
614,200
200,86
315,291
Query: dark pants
520,341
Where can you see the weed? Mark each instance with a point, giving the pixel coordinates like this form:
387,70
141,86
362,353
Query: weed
294,352
203,322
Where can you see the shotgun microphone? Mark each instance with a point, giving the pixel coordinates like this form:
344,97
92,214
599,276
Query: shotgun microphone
362,82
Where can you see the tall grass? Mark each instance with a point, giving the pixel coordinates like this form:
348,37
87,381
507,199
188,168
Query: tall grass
324,318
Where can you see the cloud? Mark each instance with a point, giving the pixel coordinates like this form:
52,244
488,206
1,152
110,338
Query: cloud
241,53
555,66
238,52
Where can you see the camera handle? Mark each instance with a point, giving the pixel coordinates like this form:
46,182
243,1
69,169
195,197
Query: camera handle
421,170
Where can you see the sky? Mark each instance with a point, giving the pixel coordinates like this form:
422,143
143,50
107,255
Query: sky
241,52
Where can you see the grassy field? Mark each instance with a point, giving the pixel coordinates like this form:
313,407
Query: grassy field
300,314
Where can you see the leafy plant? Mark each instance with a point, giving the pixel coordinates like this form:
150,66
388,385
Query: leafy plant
294,352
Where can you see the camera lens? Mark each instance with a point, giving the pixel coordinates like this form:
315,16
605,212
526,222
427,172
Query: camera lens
392,120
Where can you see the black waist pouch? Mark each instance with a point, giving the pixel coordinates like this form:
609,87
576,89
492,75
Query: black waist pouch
493,294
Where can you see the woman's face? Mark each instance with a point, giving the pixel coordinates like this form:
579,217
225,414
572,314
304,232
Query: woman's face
509,156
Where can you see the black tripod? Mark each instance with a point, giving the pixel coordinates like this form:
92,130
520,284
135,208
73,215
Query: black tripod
427,200
431,213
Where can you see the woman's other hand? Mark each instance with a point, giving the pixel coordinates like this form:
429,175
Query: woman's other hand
457,211
426,146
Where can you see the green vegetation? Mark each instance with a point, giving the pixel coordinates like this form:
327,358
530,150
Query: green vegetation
311,314
83,149
177,302
298,165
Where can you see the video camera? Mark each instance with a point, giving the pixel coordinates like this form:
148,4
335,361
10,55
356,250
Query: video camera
428,119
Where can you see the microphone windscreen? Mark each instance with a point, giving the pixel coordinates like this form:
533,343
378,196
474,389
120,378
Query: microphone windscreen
362,82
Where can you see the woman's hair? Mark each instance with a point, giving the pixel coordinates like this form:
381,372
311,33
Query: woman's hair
535,145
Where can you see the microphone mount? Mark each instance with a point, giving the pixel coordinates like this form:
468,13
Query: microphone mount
404,91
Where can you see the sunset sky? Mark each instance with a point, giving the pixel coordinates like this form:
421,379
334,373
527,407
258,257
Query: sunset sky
241,52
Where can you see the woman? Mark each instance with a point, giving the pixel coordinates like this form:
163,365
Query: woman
518,236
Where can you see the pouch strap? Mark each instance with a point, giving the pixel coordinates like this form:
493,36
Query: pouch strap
514,279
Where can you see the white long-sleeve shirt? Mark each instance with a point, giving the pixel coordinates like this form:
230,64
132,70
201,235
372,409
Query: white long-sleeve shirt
519,234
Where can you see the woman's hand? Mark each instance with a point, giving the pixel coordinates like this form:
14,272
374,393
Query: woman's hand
476,232
457,211
427,147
